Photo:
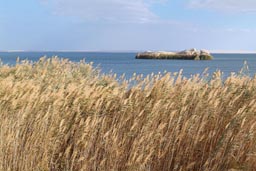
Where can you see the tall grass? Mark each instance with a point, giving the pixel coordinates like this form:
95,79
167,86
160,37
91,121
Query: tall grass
56,115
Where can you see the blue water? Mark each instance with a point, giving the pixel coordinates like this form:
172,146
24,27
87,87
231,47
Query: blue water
120,63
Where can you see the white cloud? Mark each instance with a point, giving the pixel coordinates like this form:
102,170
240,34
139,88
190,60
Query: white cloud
225,5
110,10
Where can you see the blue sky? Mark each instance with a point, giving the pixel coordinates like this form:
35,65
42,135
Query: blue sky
119,25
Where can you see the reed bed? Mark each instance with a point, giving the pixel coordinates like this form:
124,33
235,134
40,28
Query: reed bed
56,115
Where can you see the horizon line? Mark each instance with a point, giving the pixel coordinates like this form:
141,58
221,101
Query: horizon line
128,51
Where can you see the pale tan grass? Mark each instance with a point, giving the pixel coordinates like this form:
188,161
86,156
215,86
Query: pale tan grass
61,116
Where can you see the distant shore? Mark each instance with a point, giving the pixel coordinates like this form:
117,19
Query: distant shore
121,51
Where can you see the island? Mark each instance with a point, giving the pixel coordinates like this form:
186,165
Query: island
191,54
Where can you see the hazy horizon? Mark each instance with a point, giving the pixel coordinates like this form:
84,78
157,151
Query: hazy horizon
126,51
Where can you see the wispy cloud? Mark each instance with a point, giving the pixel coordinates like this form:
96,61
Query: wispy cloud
108,10
225,5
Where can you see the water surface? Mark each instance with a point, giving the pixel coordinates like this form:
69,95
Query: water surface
120,63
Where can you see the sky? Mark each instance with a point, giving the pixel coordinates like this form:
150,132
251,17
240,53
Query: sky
127,25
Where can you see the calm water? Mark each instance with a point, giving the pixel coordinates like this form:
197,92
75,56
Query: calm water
126,63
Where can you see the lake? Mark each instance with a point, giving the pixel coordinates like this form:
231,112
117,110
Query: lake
120,63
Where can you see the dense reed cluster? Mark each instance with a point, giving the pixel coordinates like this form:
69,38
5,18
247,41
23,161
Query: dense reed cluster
56,115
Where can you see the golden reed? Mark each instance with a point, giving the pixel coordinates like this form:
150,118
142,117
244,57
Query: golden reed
56,115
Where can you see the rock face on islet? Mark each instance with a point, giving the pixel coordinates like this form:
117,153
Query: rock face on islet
191,54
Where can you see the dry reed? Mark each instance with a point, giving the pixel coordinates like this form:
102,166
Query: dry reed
56,115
